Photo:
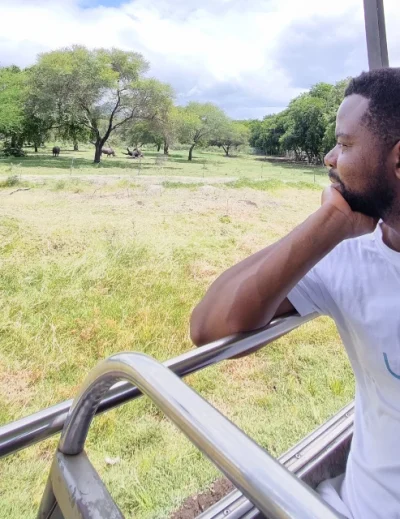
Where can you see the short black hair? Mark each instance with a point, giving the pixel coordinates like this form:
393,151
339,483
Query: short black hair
382,88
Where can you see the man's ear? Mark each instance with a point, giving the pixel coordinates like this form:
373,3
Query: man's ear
396,158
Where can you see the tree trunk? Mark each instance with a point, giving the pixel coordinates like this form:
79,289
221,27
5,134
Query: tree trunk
191,151
76,146
97,153
36,147
158,146
226,150
166,148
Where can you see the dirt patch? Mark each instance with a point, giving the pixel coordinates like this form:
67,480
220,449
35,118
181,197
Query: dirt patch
200,269
195,505
15,386
207,189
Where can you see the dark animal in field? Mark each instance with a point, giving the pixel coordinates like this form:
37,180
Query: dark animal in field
135,154
56,151
108,152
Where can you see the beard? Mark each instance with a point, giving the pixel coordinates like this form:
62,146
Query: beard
375,201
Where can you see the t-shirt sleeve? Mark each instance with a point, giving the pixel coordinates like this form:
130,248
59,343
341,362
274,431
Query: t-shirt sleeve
311,293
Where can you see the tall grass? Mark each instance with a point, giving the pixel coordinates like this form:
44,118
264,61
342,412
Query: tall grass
84,276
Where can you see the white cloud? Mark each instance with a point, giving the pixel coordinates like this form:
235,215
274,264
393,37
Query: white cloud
245,55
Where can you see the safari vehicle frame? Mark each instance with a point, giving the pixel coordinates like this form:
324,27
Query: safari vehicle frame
265,487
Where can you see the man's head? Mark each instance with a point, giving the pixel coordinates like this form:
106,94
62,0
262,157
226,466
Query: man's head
366,159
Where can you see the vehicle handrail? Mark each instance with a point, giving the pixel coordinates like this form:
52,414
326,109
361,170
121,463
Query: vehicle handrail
268,484
41,425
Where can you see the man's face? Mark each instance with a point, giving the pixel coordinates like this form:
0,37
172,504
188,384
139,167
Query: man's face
358,162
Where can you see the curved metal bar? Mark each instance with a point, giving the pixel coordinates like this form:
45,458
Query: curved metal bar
270,486
43,424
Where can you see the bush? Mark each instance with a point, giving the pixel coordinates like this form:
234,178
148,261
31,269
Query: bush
13,180
9,151
59,185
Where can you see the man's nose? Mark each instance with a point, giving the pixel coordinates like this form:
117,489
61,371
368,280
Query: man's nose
330,159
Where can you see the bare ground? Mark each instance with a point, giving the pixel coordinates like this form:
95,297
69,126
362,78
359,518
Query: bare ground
197,504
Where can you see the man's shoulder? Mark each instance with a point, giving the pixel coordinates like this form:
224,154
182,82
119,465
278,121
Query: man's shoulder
348,257
355,247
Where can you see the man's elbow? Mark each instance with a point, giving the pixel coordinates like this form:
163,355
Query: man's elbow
203,328
206,328
197,329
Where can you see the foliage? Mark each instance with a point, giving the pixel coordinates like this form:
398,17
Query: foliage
199,123
10,181
100,90
159,130
333,103
82,95
10,150
306,128
265,135
13,94
139,134
12,98
71,129
232,135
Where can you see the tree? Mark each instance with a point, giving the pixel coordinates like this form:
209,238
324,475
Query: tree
99,89
334,101
168,127
199,123
20,119
36,129
141,133
322,91
70,129
12,99
232,135
305,127
266,135
160,130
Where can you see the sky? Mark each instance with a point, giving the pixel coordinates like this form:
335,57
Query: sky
250,57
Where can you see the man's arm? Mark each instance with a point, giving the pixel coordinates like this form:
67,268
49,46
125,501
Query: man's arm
250,294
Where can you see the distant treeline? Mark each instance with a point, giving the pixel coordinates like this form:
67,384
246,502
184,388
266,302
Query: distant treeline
99,96
306,129
79,95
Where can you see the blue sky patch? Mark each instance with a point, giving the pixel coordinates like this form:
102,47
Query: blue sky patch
105,3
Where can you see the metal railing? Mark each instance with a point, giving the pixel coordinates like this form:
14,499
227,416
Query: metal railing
43,424
268,484
27,431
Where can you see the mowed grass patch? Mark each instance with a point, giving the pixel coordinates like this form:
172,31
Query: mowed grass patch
206,165
271,184
91,273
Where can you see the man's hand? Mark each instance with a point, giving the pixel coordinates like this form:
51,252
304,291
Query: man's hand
251,293
356,224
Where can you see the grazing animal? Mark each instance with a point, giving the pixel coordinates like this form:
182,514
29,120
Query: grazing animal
56,151
135,153
108,152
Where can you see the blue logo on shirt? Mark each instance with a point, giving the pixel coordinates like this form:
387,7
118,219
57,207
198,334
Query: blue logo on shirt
389,368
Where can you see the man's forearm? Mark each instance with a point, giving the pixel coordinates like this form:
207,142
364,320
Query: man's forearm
246,296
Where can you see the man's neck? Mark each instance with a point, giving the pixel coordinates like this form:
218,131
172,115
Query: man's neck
391,236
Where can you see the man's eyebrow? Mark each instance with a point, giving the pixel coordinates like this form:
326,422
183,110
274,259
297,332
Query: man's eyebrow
342,135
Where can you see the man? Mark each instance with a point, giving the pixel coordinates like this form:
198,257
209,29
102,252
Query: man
343,261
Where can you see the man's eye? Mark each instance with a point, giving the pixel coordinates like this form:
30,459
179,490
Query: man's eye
341,145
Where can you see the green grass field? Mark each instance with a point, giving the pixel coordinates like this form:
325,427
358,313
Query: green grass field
101,259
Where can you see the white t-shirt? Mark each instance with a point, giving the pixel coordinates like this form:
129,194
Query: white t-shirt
358,285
